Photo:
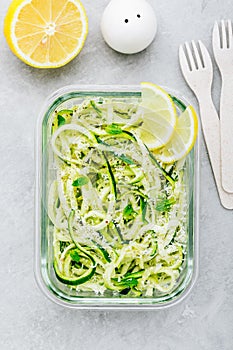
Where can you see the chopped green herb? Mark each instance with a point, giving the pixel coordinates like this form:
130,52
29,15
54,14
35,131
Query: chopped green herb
75,256
129,213
81,181
165,205
129,282
113,129
60,120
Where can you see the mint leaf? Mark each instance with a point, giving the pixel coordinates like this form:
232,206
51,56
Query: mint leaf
81,181
128,212
129,282
60,120
75,256
113,129
165,205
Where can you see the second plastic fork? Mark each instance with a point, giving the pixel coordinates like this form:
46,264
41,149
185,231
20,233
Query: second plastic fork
197,69
223,52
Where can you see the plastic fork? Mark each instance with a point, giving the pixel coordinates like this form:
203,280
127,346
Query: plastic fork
223,52
197,69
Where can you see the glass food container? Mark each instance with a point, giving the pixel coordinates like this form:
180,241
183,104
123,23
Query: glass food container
66,295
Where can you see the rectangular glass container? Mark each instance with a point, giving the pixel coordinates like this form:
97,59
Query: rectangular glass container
58,292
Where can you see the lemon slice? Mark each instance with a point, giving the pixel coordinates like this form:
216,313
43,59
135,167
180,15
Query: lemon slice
183,138
159,116
46,33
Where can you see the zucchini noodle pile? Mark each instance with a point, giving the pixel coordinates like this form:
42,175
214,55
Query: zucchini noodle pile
119,216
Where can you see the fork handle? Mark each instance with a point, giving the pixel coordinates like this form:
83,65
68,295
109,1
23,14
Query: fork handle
211,131
226,127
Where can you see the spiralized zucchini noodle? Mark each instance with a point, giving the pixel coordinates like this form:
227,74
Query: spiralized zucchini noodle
119,216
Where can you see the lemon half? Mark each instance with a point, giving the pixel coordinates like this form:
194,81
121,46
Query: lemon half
46,33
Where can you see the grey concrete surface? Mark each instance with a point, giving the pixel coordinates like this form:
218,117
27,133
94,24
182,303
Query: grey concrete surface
28,321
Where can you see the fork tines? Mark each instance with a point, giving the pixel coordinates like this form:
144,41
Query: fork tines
194,55
222,34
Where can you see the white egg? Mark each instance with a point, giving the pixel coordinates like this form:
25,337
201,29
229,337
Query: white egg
129,26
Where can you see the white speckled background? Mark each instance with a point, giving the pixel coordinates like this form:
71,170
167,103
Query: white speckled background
28,321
